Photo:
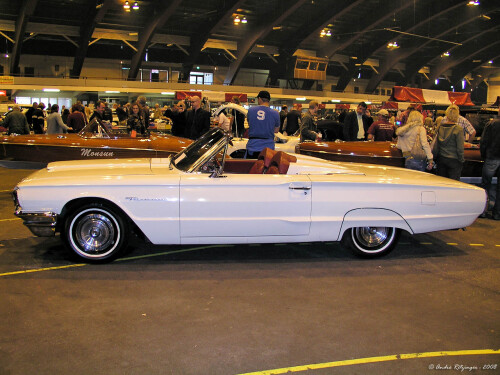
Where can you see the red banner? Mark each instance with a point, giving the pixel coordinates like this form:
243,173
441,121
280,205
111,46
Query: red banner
229,97
460,98
415,95
342,106
407,94
182,95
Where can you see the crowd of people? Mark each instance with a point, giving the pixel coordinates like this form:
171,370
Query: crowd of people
426,141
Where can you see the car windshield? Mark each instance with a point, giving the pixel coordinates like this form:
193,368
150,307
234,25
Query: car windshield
200,150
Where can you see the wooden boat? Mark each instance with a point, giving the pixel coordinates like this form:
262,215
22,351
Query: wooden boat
385,153
92,142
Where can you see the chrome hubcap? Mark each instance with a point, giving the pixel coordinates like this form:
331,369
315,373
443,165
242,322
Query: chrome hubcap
94,233
371,237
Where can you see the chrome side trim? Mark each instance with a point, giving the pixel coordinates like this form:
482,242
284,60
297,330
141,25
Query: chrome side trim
41,224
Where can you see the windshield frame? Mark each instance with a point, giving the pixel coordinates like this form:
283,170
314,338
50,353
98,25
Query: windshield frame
201,151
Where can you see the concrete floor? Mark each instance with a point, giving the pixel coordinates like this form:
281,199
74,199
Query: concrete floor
239,309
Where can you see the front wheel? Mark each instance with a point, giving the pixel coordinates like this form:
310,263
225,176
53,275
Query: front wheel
95,233
371,242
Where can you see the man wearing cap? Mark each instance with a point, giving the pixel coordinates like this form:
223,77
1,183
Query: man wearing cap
356,124
381,130
263,122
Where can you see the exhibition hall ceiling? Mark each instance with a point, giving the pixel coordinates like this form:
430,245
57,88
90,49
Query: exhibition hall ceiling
404,41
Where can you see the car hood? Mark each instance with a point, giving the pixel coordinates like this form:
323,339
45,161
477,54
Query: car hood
85,172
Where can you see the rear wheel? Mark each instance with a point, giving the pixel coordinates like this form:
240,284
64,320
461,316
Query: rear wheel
371,242
95,233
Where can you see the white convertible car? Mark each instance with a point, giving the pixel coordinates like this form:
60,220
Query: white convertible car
200,196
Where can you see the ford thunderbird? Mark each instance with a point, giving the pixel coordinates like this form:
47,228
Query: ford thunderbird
199,196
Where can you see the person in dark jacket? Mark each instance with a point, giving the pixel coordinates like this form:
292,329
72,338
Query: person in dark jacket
39,119
29,114
292,121
308,128
16,122
450,139
76,118
198,120
356,124
178,116
490,153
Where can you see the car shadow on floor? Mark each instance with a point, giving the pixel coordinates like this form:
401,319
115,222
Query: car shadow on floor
50,252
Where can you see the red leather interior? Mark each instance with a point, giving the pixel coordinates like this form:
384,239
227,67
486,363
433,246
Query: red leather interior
257,168
267,155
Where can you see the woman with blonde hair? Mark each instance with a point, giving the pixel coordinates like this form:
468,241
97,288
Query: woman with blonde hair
450,148
410,133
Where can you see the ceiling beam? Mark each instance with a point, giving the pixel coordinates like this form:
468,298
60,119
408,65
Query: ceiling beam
308,30
416,65
380,17
395,56
146,35
203,33
439,69
27,10
93,17
259,32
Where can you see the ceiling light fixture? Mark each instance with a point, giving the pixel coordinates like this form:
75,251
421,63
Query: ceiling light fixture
237,20
126,6
244,20
473,3
325,32
135,6
393,45
446,54
51,90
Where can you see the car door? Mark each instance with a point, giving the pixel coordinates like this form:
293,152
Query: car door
236,205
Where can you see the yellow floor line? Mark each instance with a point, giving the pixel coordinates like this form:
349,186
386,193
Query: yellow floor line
41,269
15,218
476,244
117,260
452,243
359,361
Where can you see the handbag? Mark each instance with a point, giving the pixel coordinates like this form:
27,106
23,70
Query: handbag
417,151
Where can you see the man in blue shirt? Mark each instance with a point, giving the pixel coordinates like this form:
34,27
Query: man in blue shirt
263,122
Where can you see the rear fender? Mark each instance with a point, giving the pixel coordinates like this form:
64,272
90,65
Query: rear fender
373,217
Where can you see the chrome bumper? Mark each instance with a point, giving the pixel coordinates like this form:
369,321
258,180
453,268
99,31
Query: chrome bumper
41,224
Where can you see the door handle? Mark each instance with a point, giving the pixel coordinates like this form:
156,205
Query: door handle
298,187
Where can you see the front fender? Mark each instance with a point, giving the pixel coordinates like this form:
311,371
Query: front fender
373,217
